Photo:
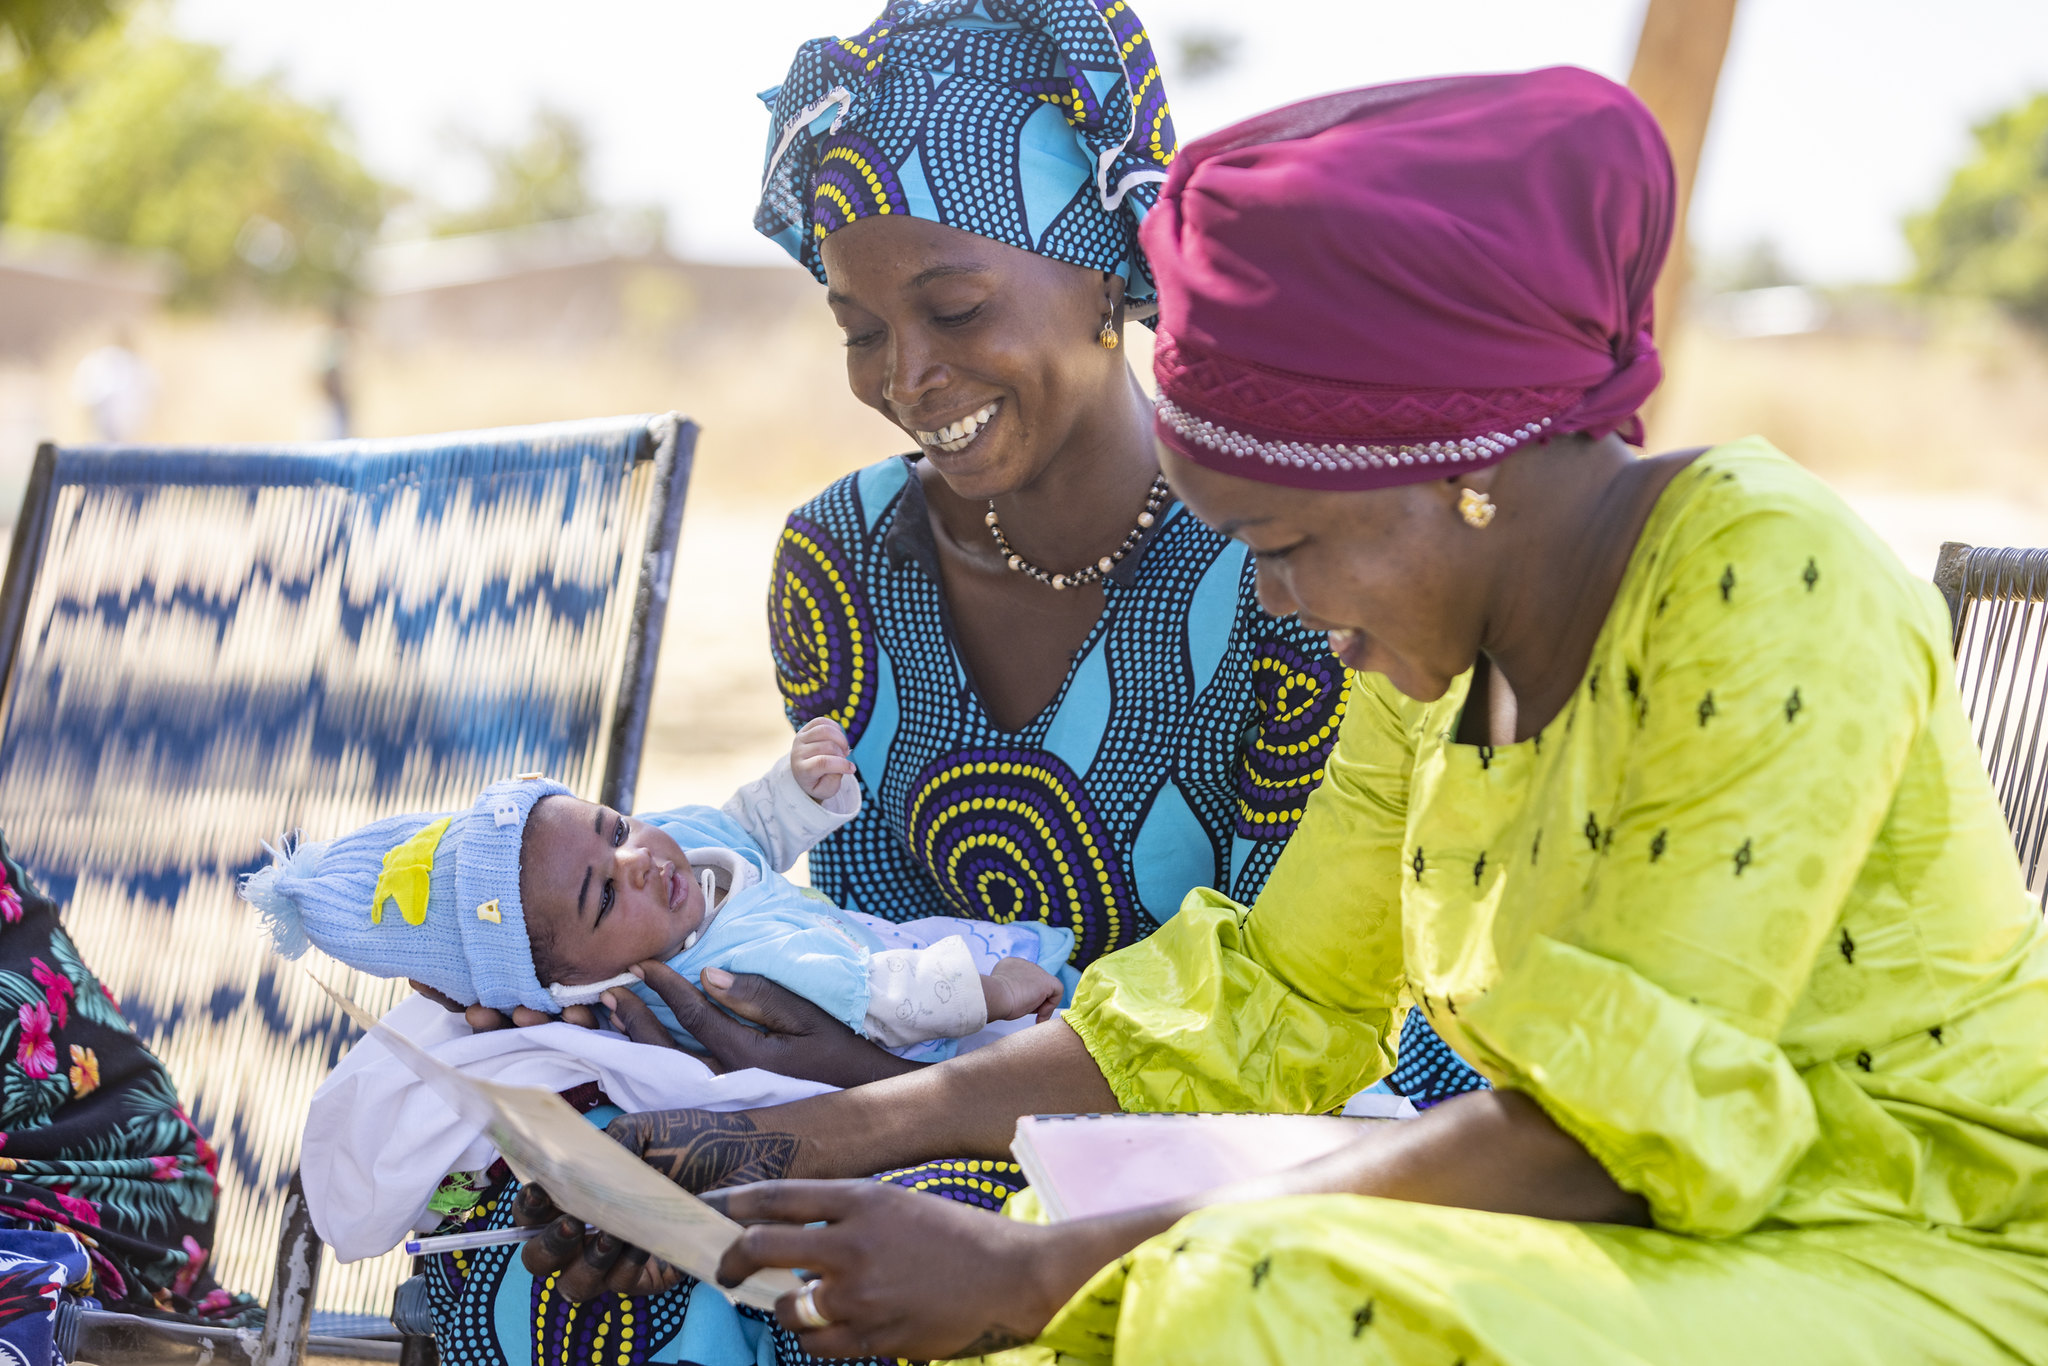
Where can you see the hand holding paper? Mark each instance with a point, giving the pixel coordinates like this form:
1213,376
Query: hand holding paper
586,1173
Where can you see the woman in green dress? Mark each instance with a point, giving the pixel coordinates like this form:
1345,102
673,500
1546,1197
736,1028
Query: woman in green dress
1655,797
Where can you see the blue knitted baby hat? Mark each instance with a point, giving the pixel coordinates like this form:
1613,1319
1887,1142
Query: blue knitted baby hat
432,896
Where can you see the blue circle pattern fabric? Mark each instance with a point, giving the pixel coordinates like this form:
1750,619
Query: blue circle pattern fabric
1178,753
1039,123
1427,1071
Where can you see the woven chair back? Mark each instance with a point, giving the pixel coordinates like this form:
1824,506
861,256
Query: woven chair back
206,648
1998,602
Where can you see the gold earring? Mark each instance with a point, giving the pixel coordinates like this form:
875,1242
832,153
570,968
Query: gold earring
1107,339
1476,508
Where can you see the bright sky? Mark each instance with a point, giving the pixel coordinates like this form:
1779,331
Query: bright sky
1835,118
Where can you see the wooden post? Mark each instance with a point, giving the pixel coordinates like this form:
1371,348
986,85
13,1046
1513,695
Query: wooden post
1678,64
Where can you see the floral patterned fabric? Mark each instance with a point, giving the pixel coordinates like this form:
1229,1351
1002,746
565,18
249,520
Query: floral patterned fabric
93,1141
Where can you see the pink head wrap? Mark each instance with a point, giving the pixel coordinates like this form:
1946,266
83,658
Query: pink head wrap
1406,282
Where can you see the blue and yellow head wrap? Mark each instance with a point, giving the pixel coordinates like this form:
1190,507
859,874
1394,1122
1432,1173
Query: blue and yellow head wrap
1040,123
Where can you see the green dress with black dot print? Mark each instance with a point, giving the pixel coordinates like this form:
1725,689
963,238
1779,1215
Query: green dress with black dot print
1745,919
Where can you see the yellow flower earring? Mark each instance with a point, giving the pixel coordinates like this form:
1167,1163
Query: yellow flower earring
1476,508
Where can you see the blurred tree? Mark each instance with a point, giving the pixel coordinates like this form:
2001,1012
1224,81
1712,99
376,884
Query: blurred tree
36,29
1205,53
141,139
539,180
1988,237
33,36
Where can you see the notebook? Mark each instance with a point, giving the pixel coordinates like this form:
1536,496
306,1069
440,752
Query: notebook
1088,1165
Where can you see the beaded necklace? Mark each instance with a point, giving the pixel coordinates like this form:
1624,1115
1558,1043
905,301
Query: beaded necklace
1154,500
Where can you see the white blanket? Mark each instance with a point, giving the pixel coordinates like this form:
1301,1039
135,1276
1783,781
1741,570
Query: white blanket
378,1141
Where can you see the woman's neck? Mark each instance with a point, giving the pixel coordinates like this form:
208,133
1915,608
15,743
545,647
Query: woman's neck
1580,508
1083,503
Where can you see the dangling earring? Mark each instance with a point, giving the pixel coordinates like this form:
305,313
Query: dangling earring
1476,508
1107,339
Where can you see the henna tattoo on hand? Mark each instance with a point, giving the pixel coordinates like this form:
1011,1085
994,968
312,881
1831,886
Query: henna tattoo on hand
996,1339
700,1150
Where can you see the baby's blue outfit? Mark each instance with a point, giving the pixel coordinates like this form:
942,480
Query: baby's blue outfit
797,939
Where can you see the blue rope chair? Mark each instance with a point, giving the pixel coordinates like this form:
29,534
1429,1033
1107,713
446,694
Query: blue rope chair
1998,602
201,648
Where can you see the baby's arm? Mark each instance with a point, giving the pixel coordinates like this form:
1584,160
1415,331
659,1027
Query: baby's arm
928,993
822,762
803,798
1018,987
935,993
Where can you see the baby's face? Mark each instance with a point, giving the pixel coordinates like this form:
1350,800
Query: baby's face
603,890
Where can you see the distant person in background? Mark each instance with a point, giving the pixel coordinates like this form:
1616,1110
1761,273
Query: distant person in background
336,420
117,387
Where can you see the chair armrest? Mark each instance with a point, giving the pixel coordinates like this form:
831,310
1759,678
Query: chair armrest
107,1339
288,1313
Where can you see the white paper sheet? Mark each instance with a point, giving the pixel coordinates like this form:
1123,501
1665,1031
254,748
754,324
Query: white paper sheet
1082,1166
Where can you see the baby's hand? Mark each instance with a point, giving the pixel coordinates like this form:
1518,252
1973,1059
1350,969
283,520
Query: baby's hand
1019,987
819,758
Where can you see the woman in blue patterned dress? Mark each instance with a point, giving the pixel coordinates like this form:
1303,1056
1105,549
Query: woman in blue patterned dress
1063,698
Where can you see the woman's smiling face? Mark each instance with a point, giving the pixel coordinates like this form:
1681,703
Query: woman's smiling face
602,891
1392,574
983,352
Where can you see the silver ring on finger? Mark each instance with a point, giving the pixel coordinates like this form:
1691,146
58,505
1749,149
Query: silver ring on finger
808,1315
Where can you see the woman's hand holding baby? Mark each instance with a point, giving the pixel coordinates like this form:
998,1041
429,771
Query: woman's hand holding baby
820,757
782,1032
483,1019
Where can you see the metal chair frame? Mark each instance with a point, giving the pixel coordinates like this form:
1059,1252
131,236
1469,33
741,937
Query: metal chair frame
114,1339
1998,606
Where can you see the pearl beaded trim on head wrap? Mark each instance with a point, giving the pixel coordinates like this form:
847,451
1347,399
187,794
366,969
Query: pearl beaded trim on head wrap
1307,456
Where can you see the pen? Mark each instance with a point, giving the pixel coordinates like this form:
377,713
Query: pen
484,1237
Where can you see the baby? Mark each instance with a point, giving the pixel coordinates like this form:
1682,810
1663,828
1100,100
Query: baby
538,898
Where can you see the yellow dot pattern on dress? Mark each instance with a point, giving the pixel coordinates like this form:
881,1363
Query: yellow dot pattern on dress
973,1181
1298,722
821,643
1011,836
599,1333
541,1300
